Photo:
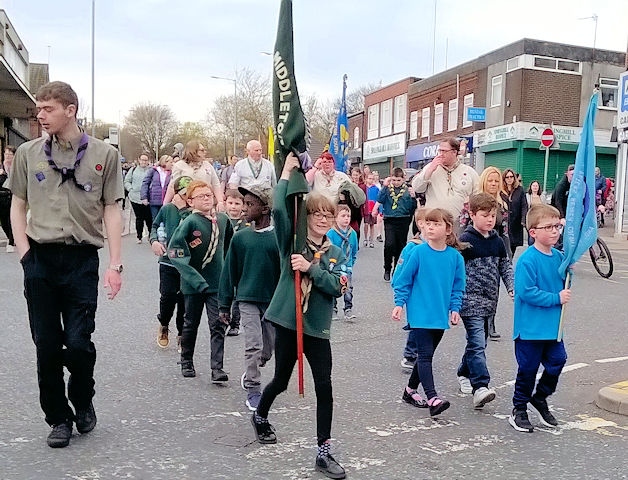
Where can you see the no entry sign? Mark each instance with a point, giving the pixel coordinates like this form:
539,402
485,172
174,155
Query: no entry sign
547,137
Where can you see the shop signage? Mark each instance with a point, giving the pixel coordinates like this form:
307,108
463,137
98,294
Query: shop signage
392,146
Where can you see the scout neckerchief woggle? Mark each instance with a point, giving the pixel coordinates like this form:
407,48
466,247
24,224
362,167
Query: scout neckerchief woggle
67,173
396,196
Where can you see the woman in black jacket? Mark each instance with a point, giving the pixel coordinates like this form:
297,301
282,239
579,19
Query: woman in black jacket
514,196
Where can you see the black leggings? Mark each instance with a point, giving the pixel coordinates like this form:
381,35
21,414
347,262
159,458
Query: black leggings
142,216
318,354
426,340
5,219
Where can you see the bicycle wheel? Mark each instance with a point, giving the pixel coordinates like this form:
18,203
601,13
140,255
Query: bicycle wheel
601,258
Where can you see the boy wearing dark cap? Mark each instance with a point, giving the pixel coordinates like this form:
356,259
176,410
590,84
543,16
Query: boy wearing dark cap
165,223
250,274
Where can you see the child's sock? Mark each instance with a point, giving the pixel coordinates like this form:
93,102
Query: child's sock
432,402
260,419
324,450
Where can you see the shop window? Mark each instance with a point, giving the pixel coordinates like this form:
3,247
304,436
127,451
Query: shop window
452,118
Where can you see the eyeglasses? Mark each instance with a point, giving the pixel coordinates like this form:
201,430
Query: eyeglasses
509,176
548,228
440,151
204,196
320,215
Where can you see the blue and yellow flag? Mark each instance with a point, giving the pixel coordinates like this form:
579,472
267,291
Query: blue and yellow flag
340,137
580,219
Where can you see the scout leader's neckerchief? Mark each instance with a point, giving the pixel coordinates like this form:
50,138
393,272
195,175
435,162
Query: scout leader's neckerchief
396,196
449,171
254,169
67,173
313,254
213,239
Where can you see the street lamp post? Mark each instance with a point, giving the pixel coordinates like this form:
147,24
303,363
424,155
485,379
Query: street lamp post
235,107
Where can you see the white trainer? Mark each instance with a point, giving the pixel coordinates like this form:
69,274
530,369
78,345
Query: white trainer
465,385
482,396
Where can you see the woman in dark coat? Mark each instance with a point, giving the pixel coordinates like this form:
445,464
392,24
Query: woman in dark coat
514,196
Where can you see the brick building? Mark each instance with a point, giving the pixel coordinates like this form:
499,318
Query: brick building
384,127
18,79
523,87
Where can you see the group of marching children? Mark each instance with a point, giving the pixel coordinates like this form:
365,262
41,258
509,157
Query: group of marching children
441,280
230,264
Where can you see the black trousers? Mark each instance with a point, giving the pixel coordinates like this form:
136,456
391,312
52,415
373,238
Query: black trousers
396,237
142,217
61,290
318,354
170,296
194,305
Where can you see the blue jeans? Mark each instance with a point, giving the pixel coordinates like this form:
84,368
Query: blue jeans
473,364
347,296
426,340
530,355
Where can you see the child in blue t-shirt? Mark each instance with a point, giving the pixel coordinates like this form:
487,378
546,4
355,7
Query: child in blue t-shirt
344,237
539,295
430,284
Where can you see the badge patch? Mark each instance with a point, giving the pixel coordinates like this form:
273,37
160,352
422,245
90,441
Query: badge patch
98,167
196,233
41,166
195,243
40,176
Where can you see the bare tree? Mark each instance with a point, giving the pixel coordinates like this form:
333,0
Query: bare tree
254,112
154,126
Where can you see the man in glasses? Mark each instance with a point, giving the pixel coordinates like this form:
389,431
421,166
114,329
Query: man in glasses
446,181
71,184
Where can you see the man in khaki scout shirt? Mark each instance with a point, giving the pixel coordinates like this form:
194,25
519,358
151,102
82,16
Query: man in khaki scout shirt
71,183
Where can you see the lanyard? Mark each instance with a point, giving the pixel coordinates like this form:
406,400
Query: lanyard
67,173
254,171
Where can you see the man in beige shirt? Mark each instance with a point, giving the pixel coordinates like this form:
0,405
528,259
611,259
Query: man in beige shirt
71,184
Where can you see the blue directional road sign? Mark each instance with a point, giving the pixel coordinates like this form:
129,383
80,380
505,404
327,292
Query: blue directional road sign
476,114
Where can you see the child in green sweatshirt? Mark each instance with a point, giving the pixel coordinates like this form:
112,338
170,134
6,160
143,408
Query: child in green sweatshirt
197,249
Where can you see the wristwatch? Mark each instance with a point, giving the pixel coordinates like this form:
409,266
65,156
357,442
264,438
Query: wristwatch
117,268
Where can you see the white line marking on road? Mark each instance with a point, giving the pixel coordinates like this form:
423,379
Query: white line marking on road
611,360
568,368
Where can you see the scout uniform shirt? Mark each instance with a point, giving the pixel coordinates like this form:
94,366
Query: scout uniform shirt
63,212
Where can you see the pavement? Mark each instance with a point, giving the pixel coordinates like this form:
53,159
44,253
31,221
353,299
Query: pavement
155,424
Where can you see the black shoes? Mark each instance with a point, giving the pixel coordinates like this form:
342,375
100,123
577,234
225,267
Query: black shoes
233,332
328,466
520,421
387,276
413,398
264,431
219,376
187,368
60,435
545,415
438,407
86,419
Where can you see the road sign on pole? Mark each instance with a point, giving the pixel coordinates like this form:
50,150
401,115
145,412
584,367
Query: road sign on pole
547,137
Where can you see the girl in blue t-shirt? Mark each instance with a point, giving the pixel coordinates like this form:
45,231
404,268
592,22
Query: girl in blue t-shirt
430,285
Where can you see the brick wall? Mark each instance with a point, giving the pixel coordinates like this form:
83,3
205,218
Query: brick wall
443,93
548,97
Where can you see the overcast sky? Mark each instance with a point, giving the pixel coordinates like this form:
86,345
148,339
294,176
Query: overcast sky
165,51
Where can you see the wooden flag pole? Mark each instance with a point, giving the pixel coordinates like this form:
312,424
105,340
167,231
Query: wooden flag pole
562,310
299,306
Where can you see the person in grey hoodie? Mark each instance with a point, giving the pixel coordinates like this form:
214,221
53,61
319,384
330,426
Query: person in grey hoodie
133,184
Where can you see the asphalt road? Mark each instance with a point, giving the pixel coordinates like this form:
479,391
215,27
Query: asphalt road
154,424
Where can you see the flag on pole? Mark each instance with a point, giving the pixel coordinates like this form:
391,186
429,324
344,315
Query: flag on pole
291,136
340,136
580,218
271,144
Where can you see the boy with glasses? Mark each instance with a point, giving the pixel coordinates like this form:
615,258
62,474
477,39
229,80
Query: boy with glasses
539,296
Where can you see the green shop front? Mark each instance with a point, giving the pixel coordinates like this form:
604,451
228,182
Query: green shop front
384,154
518,146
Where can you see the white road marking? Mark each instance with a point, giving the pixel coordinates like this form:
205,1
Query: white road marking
611,360
568,368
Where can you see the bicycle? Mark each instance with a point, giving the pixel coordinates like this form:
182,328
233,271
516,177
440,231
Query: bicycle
601,255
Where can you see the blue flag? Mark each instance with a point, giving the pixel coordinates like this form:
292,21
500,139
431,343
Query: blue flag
340,137
580,219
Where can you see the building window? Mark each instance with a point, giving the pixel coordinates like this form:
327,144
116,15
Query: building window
452,118
425,122
414,125
356,137
400,113
496,91
467,102
543,62
438,119
373,121
609,93
555,64
385,127
513,64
